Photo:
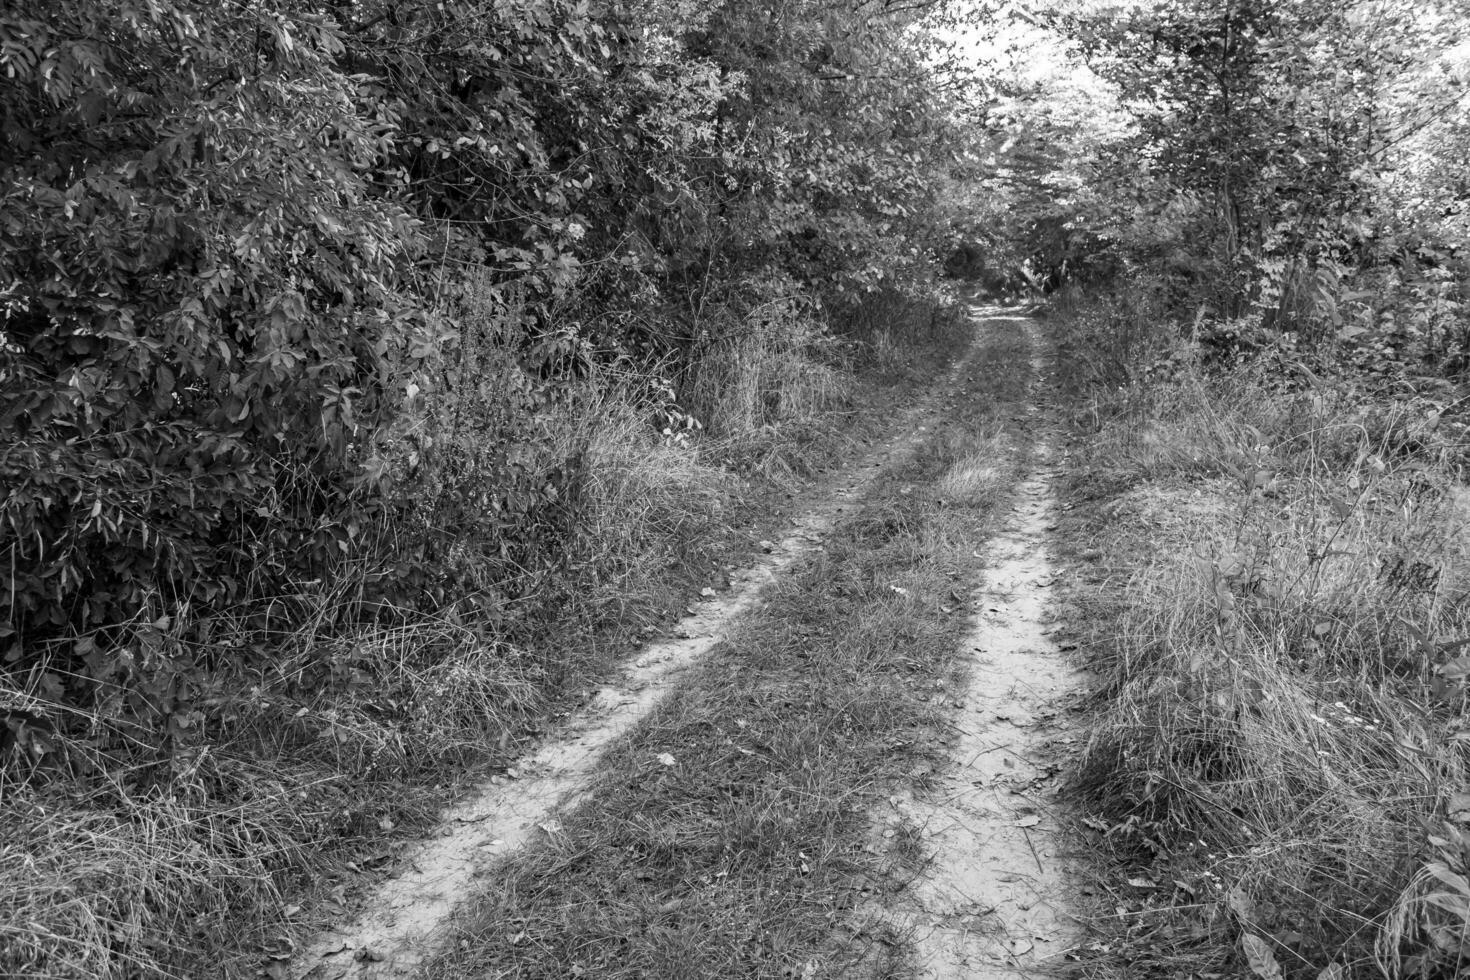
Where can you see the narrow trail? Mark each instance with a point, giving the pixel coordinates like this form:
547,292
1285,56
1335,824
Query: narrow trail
992,901
404,920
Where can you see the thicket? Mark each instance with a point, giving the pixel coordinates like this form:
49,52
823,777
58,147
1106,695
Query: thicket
346,350
1268,375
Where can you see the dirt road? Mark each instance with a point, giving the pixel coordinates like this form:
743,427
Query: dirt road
985,891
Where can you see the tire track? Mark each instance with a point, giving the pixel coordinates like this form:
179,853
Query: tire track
992,902
405,919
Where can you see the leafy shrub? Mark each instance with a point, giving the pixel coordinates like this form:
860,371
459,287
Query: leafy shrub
204,309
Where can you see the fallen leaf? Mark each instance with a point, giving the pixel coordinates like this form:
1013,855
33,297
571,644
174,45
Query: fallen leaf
1241,905
1459,803
1028,821
1262,961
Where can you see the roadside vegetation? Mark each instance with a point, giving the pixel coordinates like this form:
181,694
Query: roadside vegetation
1263,262
1253,216
372,375
1271,566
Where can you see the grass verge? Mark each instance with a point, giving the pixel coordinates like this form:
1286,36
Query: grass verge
1272,571
731,834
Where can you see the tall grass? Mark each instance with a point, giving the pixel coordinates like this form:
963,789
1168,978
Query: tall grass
124,864
775,365
1282,735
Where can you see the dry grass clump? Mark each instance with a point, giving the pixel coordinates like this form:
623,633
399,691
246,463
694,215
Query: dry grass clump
972,480
114,892
774,370
647,501
1285,739
121,860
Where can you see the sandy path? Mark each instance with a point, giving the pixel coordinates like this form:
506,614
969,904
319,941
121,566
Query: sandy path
401,923
992,901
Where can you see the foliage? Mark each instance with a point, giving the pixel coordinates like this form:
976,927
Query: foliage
1280,160
203,309
258,260
309,319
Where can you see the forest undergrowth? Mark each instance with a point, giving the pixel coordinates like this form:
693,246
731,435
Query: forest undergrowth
192,862
1271,567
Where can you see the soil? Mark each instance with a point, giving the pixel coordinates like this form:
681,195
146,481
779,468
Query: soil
992,900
